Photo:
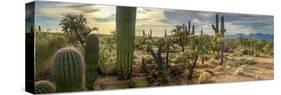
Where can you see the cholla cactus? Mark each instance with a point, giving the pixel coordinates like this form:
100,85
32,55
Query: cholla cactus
68,70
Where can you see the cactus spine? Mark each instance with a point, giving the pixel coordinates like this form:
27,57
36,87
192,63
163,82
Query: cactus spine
44,86
125,26
92,57
68,70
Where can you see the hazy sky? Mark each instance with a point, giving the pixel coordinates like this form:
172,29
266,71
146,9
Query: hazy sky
49,14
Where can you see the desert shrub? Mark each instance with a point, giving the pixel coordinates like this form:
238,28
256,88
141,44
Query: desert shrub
46,45
139,82
228,67
172,56
107,62
179,58
250,62
241,70
219,68
246,52
148,59
213,61
205,77
247,62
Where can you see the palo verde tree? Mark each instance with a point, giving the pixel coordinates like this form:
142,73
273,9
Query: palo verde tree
73,25
192,55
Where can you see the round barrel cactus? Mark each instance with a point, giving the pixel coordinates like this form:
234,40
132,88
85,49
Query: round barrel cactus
92,57
44,86
68,70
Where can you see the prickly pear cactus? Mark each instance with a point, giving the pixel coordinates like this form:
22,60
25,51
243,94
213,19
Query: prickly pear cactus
44,86
68,70
125,27
92,57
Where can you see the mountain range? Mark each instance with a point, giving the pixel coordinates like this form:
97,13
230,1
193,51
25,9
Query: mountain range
258,36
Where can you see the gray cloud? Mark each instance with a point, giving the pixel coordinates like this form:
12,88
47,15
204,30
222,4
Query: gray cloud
235,22
106,19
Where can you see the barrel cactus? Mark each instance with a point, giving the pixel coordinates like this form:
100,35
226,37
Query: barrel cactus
44,86
68,70
92,57
125,27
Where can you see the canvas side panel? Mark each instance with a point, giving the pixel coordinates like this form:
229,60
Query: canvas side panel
29,47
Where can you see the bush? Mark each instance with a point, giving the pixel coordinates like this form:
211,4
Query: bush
241,70
139,82
219,68
46,45
148,59
205,77
179,58
213,61
244,61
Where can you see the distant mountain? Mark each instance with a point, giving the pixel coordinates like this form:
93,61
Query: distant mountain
259,36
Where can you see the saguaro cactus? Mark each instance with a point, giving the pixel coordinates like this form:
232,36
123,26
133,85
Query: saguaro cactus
220,31
68,70
165,33
150,34
44,86
125,27
92,57
193,30
188,30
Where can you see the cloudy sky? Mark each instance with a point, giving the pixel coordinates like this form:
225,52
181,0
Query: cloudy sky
49,14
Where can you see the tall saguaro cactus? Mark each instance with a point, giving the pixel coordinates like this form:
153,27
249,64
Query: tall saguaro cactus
220,32
193,30
92,57
68,70
125,27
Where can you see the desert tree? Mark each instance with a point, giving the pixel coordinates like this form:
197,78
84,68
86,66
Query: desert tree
74,26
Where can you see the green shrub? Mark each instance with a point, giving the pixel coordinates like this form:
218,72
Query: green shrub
219,68
148,59
245,61
213,61
139,82
241,70
205,77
